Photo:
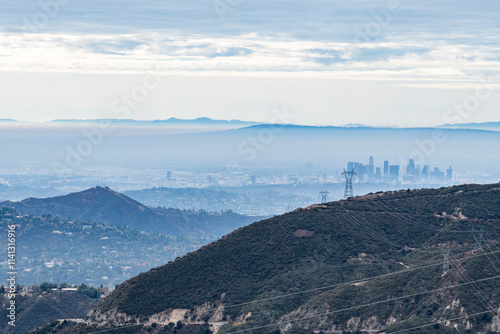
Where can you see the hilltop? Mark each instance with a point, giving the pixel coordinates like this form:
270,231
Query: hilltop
103,205
313,255
77,251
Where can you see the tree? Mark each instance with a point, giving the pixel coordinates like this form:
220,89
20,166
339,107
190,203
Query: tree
46,286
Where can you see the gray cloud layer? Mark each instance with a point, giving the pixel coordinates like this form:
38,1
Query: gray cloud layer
444,44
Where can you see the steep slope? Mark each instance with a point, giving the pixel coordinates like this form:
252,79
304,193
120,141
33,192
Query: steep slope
103,205
329,245
37,310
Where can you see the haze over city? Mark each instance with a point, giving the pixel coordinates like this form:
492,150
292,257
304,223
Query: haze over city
229,166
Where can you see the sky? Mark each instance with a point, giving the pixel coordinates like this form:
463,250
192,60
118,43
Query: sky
396,62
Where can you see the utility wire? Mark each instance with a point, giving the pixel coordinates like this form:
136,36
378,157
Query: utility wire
342,284
372,304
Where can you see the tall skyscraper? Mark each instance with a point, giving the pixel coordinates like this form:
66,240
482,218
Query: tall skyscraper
449,174
410,169
394,172
426,172
371,169
361,170
437,174
386,168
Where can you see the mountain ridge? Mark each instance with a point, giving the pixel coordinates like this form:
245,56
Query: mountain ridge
322,245
489,126
171,120
104,205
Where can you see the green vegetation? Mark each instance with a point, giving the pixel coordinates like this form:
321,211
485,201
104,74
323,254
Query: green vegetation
105,206
71,328
399,235
50,248
45,287
325,245
39,309
88,291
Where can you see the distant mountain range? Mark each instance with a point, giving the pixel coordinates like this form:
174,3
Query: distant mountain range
133,122
371,263
172,120
489,126
103,205
263,145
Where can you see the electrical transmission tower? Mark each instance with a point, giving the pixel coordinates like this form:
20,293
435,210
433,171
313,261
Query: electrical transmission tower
58,289
349,175
478,237
446,262
324,195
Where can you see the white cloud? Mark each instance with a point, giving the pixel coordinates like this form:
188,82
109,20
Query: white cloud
247,55
448,44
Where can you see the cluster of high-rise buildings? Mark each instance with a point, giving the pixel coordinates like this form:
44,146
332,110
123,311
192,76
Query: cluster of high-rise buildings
397,173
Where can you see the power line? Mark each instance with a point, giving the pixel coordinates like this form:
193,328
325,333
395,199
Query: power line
351,282
349,175
402,216
440,322
384,238
340,310
372,304
364,227
116,328
324,196
446,261
376,235
473,287
330,287
492,241
478,237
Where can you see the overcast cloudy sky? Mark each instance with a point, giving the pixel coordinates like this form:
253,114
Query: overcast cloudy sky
395,62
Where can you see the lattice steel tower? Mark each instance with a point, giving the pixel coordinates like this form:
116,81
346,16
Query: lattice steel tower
478,238
349,175
324,196
446,260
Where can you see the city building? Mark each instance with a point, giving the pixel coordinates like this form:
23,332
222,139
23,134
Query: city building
371,169
413,173
394,173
